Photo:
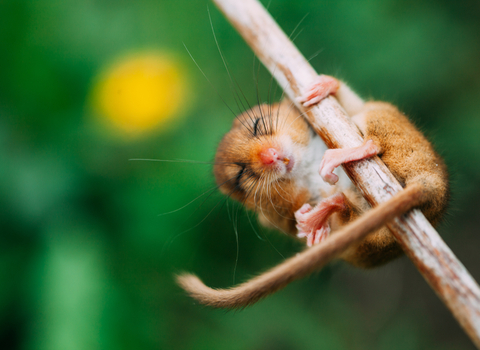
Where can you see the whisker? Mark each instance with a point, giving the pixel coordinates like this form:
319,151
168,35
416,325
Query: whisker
296,36
213,86
298,25
266,237
253,228
169,242
235,229
314,55
186,205
261,208
181,161
293,121
232,85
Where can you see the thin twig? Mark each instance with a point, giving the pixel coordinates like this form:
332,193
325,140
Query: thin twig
422,244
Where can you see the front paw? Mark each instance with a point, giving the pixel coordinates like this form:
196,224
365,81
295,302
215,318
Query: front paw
322,86
331,159
335,157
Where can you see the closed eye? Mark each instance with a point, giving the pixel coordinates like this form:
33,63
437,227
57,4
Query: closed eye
239,176
255,127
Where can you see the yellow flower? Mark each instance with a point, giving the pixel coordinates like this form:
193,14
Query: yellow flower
140,93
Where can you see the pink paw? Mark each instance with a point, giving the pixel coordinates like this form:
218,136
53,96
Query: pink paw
322,86
331,159
312,223
301,214
315,236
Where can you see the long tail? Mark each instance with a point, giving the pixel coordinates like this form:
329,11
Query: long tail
305,262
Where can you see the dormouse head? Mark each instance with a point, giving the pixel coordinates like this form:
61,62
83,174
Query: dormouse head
262,149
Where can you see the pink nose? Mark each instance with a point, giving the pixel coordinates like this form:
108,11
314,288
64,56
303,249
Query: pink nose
269,156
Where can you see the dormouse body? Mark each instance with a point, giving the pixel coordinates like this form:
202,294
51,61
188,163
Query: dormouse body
273,163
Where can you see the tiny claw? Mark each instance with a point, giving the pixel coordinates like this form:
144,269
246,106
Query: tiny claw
330,178
322,234
310,239
301,234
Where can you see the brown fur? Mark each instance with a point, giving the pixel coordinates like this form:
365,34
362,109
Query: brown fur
412,160
404,150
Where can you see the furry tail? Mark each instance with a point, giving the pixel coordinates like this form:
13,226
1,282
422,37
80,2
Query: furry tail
303,263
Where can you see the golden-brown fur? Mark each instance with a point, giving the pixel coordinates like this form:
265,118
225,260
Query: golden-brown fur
276,196
404,150
411,159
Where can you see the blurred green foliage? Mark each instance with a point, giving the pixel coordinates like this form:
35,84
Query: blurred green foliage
86,262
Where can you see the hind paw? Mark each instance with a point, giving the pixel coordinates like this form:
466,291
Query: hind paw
315,236
312,223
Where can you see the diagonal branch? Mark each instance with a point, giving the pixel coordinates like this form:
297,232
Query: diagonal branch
422,244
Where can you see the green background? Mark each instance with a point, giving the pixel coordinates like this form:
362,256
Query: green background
86,262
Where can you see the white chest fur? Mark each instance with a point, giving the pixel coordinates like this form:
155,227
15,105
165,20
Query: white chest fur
306,171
